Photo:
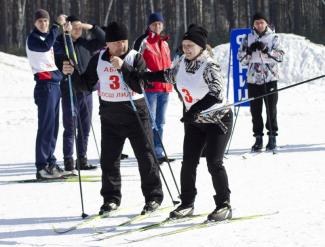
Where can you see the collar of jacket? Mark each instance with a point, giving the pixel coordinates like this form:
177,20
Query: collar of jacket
266,32
201,58
106,55
153,37
39,32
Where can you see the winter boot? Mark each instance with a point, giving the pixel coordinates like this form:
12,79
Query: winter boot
258,145
183,210
222,212
83,164
272,143
107,207
69,164
150,207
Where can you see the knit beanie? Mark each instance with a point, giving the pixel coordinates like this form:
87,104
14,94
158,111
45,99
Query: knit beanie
259,16
72,18
115,32
155,17
41,13
197,34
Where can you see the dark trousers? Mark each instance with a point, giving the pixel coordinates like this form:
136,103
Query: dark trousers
210,136
256,107
113,138
83,109
47,98
158,102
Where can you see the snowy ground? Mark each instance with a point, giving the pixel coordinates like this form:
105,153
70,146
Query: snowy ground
291,182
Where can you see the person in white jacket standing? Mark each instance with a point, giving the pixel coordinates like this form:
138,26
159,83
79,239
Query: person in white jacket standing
261,51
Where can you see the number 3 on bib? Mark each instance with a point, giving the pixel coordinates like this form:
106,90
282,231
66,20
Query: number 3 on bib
187,97
115,82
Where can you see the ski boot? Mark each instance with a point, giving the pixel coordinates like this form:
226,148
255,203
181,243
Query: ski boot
183,210
150,207
258,145
107,207
222,212
272,143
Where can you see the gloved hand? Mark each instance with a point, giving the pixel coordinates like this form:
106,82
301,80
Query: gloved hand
249,51
262,47
190,116
254,46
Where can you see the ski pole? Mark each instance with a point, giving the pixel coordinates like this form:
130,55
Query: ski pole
75,61
261,96
83,214
160,139
233,128
235,122
147,139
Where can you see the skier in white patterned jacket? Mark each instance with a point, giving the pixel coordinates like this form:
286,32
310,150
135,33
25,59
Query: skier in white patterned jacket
197,77
261,52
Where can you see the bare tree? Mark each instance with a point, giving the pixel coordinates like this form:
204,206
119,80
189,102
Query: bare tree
184,14
152,8
108,11
177,23
20,23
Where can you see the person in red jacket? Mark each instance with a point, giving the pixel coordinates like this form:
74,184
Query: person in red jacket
156,53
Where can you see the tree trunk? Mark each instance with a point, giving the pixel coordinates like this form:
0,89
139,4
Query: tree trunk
21,4
108,11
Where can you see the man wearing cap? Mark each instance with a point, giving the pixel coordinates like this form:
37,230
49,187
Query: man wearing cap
84,49
39,49
261,52
155,50
111,67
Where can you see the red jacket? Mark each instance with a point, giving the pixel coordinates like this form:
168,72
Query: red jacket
156,53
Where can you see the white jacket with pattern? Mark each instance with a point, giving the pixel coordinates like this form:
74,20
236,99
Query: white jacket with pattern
262,67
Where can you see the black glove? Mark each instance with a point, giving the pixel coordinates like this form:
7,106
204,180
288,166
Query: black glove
262,47
254,46
249,51
190,116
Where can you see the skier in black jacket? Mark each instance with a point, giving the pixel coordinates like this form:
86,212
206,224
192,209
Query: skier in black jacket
118,120
84,49
197,77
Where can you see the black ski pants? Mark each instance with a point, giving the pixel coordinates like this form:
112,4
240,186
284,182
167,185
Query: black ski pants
256,107
112,142
210,136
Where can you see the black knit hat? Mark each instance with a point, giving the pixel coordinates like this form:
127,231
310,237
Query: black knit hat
72,18
115,32
41,13
197,34
259,16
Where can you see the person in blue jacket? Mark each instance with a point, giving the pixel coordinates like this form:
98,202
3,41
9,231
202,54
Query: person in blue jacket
39,49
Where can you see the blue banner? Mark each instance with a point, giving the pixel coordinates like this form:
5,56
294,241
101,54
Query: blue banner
239,71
